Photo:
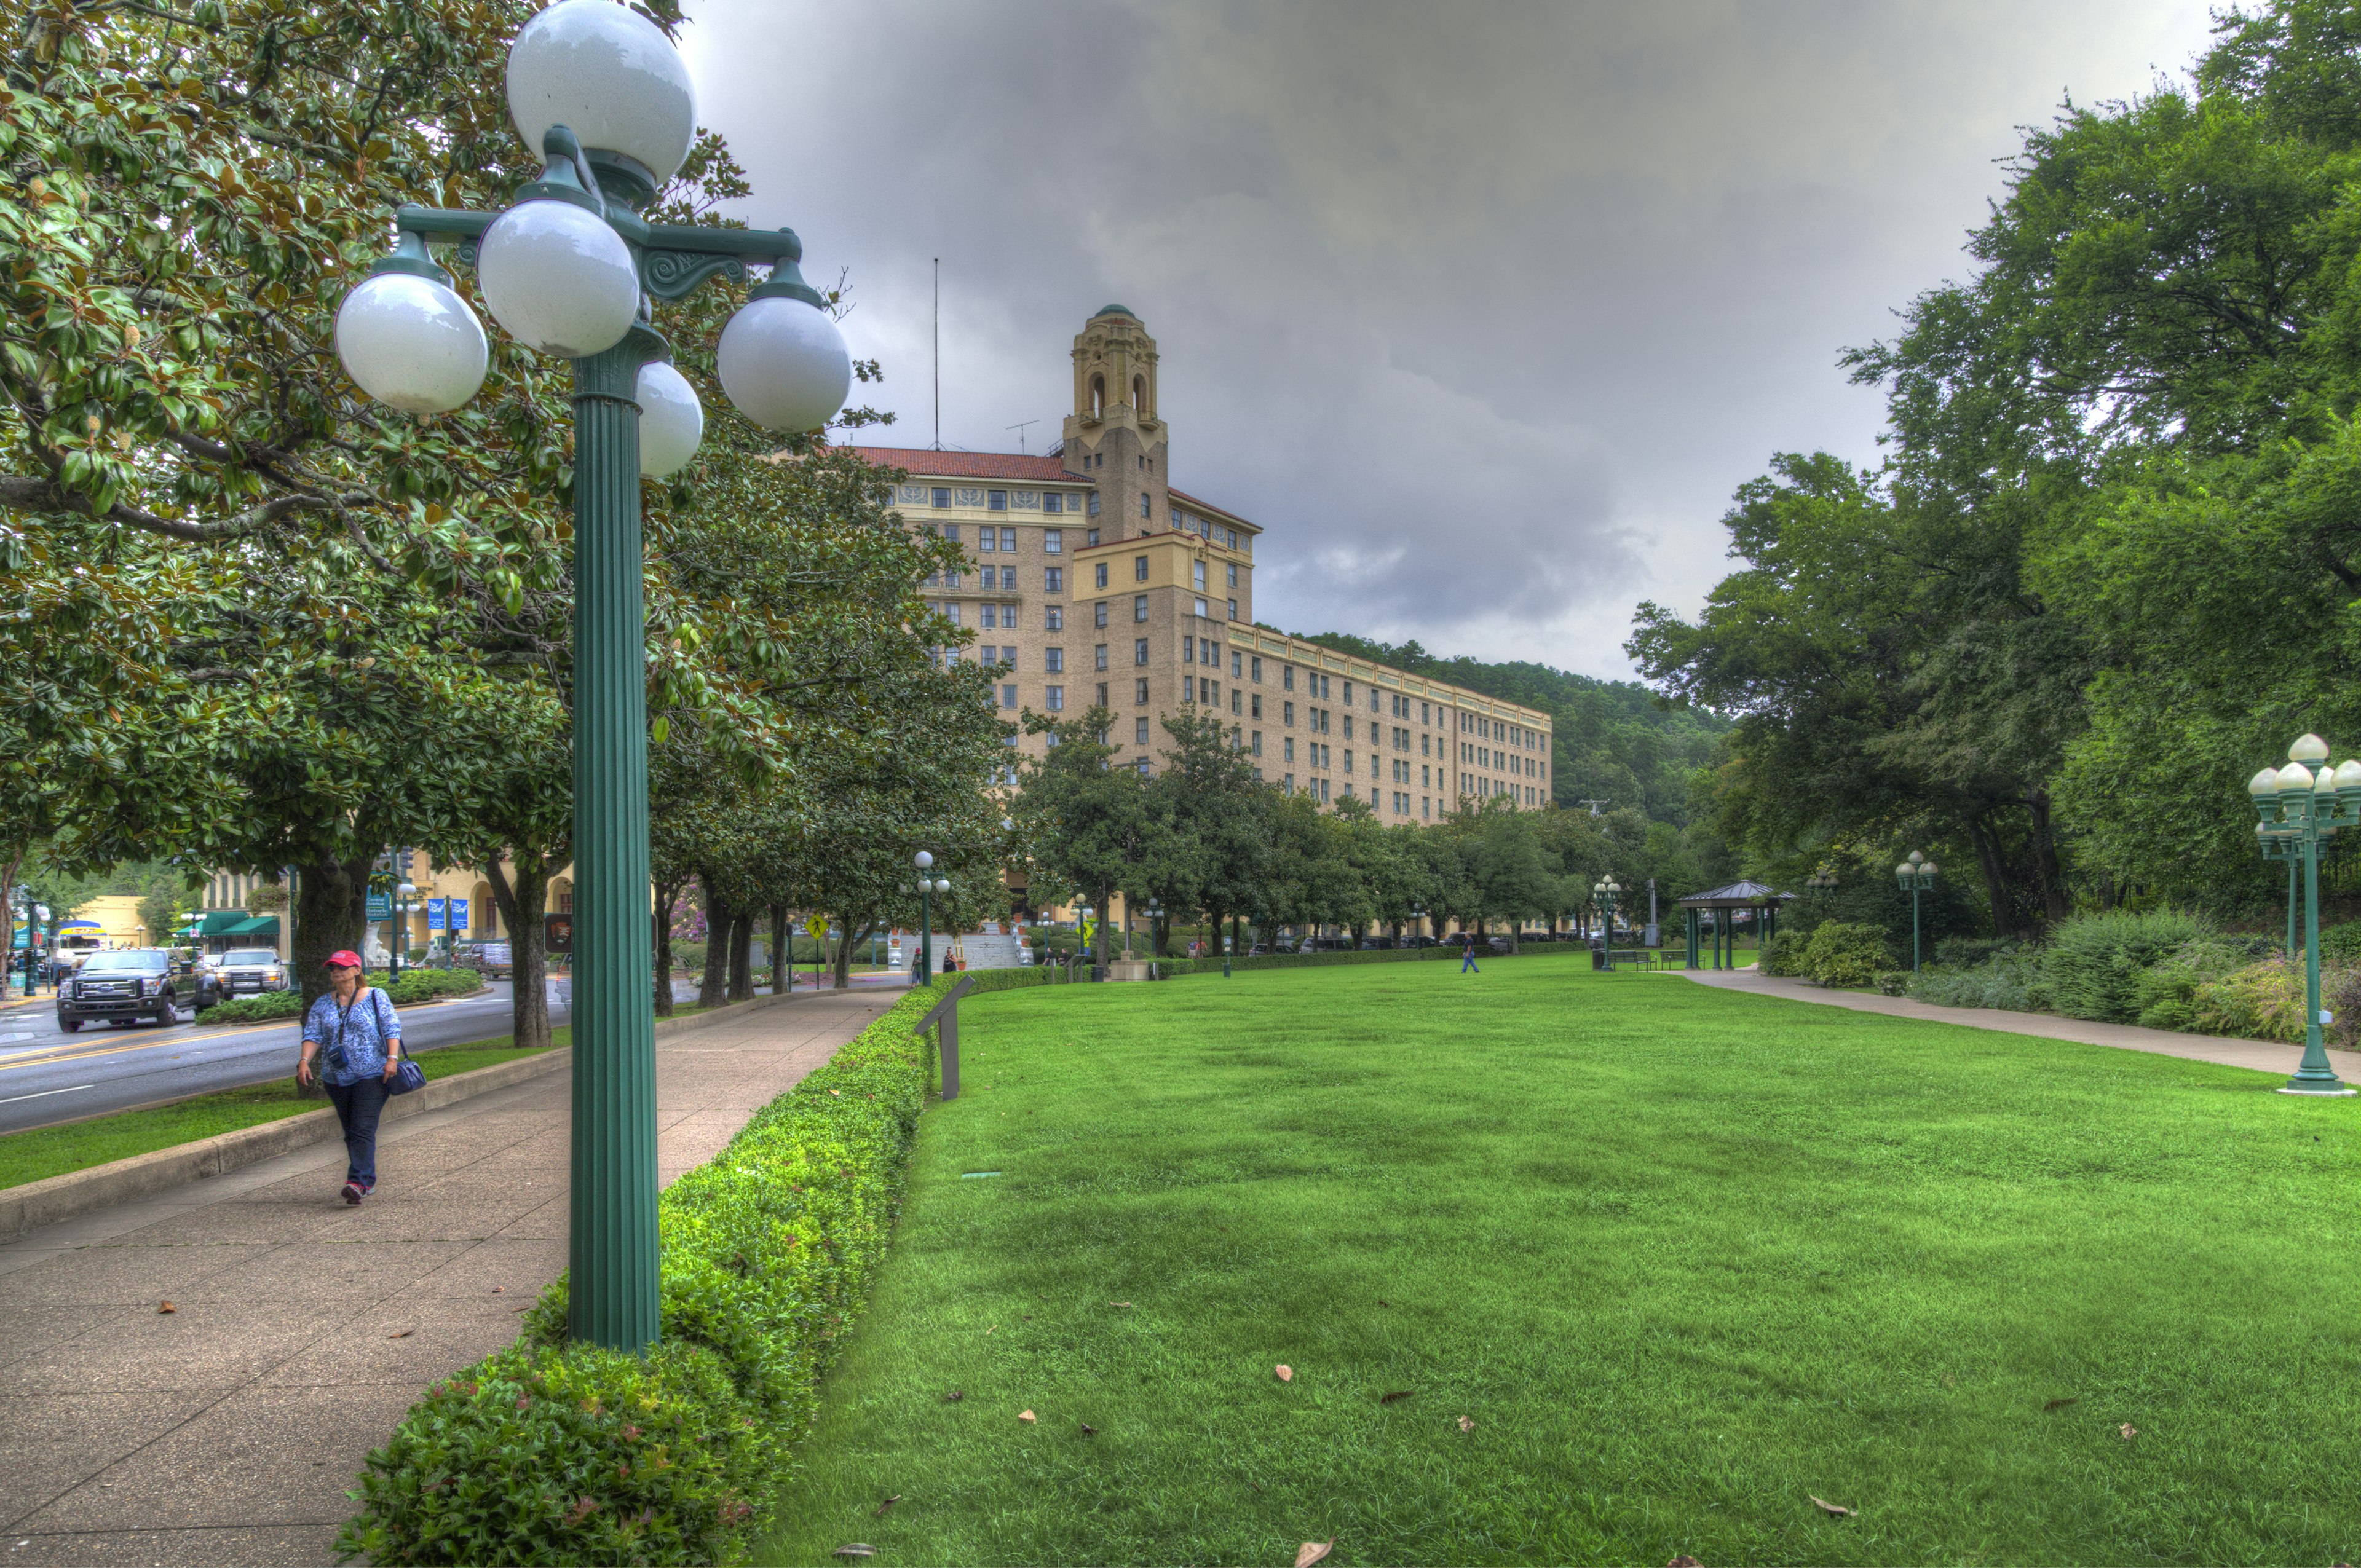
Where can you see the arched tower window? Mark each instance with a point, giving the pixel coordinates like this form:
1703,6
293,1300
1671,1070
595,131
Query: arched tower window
1139,393
1098,397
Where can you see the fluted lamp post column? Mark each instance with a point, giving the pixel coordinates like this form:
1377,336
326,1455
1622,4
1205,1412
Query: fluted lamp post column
569,270
1915,876
1604,891
2299,807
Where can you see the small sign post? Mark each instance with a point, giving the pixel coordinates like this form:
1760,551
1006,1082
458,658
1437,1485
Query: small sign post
946,1013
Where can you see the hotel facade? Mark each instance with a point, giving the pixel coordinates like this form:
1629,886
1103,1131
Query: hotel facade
1092,580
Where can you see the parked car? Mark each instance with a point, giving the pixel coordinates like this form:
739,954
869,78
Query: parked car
247,972
493,960
126,984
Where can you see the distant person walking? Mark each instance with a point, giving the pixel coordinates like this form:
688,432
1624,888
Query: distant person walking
354,1038
1467,956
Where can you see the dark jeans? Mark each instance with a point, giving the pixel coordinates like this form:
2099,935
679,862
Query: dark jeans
1467,961
358,1106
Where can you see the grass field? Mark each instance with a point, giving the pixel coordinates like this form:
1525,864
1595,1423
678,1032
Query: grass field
1653,1266
41,1152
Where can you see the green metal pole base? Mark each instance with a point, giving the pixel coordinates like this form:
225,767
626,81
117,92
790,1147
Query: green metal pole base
2313,1075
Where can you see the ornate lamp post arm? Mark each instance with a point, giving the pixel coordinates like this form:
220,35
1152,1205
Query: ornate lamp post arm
2298,807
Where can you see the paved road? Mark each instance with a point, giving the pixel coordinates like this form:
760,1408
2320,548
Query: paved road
47,1074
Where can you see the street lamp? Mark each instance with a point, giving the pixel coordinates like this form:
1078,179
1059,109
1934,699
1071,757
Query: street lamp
36,915
1091,941
1418,928
927,888
2299,807
568,269
402,923
1914,876
1604,890
1154,911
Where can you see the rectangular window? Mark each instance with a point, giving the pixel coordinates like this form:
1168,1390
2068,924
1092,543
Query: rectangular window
951,532
1053,579
1139,606
1143,504
1008,541
996,500
1094,511
1102,566
1008,697
1053,501
1197,574
1255,747
987,539
1139,652
1140,733
1232,572
1187,688
1348,694
1140,691
942,496
1287,678
1187,650
1234,609
1053,540
1348,761
1098,614
1054,659
1255,665
1258,705
1237,664
1287,711
1057,696
1008,658
1348,726
1054,619
1201,607
991,615
1099,653
951,613
1140,568
1236,702
1103,693
1286,747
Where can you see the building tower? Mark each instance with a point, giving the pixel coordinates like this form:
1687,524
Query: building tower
1114,436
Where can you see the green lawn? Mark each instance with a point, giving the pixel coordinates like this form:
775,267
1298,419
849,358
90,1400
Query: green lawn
43,1152
1683,1259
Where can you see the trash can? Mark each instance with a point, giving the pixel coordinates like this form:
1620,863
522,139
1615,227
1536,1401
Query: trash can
1598,954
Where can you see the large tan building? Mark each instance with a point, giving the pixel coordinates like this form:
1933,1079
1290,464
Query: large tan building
1093,580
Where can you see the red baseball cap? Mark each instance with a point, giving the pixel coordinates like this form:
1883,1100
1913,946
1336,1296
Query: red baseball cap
343,957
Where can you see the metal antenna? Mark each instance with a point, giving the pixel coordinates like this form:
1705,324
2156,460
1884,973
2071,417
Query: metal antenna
939,353
1593,804
1020,428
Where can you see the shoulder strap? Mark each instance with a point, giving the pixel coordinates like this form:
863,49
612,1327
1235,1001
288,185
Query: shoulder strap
384,1025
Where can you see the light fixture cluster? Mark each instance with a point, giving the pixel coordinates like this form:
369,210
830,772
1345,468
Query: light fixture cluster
591,85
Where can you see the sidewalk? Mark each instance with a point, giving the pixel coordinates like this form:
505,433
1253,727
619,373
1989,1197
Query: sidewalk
229,1429
2263,1056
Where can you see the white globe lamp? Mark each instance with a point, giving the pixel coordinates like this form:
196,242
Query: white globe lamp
611,77
671,421
558,278
783,364
410,343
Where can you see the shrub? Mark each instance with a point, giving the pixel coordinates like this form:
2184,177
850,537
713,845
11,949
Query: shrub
2260,1002
1893,982
1967,952
1783,954
2166,994
261,1008
2095,961
688,957
2341,944
1845,955
2010,979
555,1452
425,984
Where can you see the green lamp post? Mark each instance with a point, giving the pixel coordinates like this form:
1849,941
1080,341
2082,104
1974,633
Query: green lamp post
2299,808
1915,876
927,888
1604,891
569,270
1155,912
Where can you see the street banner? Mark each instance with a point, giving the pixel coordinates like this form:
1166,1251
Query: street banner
434,913
458,914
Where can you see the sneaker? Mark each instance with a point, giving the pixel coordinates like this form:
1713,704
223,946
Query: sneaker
355,1191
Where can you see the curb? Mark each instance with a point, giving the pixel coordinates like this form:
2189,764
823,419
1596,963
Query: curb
56,1198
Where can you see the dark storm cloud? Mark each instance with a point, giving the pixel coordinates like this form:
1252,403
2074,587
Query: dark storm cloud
1481,310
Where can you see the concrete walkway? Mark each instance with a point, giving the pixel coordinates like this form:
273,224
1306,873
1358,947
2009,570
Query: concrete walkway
2263,1056
229,1429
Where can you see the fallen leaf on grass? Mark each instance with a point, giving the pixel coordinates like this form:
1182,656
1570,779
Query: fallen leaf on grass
404,1335
1396,1394
1118,1303
1684,1561
838,1093
856,1549
1286,1372
166,1307
2061,1404
954,1397
499,1289
1089,1430
1251,1481
1834,1510
1466,1425
1312,1551
2129,1432
1025,1416
887,1503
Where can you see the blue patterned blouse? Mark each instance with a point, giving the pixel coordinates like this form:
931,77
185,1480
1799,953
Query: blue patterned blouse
362,1029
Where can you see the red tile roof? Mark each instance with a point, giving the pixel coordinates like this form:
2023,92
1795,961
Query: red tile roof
967,464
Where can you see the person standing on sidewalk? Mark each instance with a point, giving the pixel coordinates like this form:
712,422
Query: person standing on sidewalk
354,1038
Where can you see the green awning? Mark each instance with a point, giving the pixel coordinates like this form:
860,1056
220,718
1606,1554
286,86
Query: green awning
220,922
259,927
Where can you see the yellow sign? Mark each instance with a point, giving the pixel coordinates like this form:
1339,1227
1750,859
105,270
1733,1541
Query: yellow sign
817,928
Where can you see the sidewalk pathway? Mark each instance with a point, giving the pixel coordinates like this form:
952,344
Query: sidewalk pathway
227,1430
2263,1056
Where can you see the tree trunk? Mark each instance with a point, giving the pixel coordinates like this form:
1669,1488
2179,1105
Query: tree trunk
667,896
742,955
333,908
2054,904
523,894
713,986
1989,857
783,951
856,931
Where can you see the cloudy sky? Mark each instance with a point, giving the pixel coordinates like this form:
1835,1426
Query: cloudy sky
1481,310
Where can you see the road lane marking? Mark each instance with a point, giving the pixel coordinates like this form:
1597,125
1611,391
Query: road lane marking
77,1089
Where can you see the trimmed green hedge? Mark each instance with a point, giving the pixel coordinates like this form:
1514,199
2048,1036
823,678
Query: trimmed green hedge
414,986
550,1452
261,1008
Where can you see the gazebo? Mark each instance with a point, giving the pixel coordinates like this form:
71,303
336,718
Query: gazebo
1763,901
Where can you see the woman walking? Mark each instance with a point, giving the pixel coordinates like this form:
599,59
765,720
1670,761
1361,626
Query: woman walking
355,1037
